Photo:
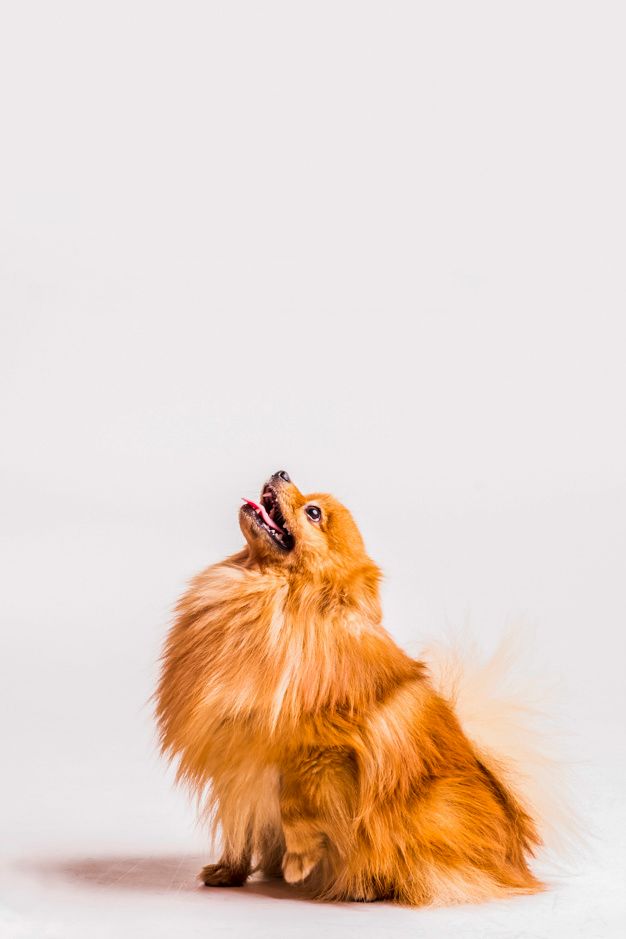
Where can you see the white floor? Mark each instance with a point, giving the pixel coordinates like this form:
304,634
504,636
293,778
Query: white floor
117,881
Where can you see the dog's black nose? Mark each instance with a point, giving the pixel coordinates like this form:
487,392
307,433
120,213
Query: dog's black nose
283,475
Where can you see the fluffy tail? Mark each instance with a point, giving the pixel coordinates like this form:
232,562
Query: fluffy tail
506,720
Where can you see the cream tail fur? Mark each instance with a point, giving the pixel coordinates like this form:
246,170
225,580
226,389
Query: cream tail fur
506,719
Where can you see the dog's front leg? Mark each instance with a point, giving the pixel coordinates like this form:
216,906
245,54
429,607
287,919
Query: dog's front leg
316,792
228,872
233,868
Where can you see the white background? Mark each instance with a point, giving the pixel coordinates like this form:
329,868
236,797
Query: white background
379,245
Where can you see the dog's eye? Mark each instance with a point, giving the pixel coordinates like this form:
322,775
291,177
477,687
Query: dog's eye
313,512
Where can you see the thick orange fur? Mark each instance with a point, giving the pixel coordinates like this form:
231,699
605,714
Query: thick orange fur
318,748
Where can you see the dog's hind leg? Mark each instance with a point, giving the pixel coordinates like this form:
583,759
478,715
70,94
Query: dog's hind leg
315,793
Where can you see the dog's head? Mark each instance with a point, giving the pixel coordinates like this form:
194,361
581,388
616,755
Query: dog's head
309,533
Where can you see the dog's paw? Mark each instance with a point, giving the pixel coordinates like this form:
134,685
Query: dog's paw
220,875
297,867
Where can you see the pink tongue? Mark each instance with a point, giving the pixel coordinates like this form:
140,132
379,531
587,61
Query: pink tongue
268,521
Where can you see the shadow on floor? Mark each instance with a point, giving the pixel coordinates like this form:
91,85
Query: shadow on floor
165,874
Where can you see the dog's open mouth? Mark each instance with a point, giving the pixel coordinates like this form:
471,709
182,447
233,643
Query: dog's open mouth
269,517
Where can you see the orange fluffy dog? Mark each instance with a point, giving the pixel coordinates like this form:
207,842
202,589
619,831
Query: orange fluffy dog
320,749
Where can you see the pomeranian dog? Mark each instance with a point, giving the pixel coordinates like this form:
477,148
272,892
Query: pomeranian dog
322,752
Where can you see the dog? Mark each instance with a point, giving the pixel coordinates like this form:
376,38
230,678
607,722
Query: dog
321,751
